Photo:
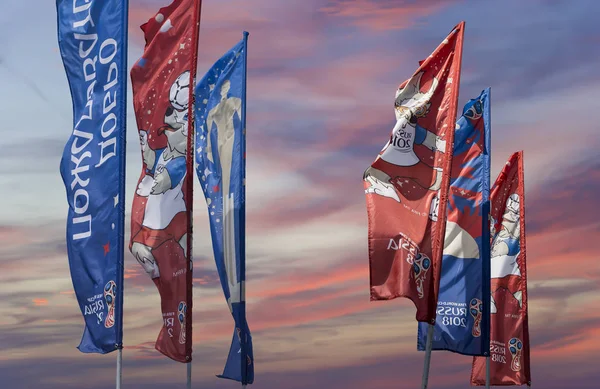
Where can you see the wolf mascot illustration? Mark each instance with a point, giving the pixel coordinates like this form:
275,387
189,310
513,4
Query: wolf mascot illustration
163,152
388,176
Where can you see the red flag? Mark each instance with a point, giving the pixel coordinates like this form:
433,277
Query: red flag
509,340
407,185
162,82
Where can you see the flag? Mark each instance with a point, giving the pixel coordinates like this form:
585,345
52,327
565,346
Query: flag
93,44
407,185
509,340
221,169
162,81
462,323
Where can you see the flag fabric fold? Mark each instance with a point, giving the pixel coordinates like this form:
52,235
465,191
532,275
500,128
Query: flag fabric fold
162,81
221,170
463,308
92,38
509,322
407,185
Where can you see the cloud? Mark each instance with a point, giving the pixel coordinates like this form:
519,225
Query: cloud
383,15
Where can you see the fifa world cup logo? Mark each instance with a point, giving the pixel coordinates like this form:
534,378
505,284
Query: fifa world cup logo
476,312
515,346
181,311
110,294
421,265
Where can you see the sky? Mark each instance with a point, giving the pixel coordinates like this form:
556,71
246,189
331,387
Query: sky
321,82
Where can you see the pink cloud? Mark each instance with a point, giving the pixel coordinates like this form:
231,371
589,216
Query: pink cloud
383,15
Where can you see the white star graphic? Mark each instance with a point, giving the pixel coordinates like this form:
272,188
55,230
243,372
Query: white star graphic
116,199
207,172
182,46
211,86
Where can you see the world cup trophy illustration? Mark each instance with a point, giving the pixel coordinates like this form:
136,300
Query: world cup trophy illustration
421,265
515,346
181,311
110,294
476,310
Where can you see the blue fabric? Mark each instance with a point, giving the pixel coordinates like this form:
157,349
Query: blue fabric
177,169
221,116
466,280
420,134
93,44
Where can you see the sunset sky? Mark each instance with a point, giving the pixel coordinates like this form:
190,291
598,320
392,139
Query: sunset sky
322,77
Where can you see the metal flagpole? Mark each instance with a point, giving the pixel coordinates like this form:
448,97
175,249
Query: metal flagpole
427,356
189,375
487,372
119,367
190,190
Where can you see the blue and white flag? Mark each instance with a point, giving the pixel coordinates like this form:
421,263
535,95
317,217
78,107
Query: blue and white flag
92,37
463,309
221,157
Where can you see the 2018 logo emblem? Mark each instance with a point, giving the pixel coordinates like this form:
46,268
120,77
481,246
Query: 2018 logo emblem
110,295
181,312
476,311
515,346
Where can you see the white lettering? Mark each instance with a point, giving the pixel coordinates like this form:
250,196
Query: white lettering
111,117
80,134
79,169
113,43
87,63
111,81
83,219
86,37
81,209
106,144
87,19
88,105
112,103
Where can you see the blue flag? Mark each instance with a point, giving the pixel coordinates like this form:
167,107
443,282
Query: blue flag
463,310
92,37
221,156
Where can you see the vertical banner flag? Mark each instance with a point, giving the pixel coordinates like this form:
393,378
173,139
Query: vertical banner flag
509,340
92,38
407,185
221,169
463,307
162,81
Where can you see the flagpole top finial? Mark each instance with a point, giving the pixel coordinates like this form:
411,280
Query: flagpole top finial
246,33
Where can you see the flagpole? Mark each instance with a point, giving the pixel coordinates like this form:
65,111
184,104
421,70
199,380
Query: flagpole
428,348
119,367
244,351
121,198
189,375
190,190
487,372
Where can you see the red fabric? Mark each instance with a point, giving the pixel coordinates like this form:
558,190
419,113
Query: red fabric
170,50
398,231
511,320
